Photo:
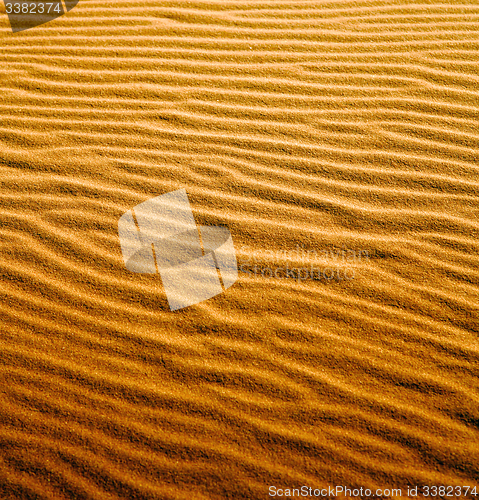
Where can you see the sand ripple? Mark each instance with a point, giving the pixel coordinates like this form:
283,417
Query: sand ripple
303,126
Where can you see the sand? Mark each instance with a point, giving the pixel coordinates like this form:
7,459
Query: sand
339,135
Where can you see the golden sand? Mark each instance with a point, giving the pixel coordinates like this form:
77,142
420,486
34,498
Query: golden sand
310,129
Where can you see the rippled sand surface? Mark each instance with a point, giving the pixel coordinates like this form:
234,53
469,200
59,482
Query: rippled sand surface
319,133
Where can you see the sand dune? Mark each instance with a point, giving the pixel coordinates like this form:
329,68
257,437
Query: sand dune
339,135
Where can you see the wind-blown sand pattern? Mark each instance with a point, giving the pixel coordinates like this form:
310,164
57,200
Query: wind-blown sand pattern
302,126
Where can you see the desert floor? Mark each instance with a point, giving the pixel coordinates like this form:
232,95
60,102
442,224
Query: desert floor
341,135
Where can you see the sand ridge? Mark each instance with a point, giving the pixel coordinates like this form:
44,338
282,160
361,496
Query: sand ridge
303,126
